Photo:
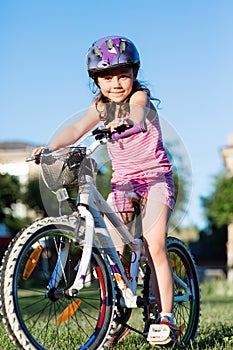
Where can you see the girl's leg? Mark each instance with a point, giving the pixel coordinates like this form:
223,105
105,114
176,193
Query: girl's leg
126,218
154,227
123,208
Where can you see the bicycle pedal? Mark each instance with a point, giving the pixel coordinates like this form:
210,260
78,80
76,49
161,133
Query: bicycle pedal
159,334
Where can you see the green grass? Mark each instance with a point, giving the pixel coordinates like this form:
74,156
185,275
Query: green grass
216,327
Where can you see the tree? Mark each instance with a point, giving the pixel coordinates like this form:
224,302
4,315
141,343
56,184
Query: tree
32,196
40,199
9,195
218,208
218,205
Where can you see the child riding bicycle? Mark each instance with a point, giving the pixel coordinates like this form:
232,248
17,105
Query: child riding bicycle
139,160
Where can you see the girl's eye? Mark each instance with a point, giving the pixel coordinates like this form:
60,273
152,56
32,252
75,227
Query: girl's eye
124,76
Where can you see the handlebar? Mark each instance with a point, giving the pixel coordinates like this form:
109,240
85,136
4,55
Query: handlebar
36,158
101,134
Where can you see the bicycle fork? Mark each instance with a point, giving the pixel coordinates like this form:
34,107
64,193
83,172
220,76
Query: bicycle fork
84,263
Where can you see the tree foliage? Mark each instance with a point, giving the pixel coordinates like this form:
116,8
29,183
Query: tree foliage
218,205
32,196
39,198
10,193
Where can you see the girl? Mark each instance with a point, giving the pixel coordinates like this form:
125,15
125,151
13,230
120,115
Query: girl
139,161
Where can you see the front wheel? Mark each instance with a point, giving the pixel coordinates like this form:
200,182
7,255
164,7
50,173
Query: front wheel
186,290
39,265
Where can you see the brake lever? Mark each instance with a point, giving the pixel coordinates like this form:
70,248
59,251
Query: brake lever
121,128
99,131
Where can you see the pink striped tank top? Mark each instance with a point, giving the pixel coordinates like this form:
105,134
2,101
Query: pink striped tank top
141,158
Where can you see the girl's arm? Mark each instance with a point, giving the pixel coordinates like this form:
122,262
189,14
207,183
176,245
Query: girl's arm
73,132
139,106
135,123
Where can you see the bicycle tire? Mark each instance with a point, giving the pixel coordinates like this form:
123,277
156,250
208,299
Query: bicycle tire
186,312
36,321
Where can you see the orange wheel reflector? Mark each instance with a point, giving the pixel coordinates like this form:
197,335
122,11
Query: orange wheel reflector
31,263
69,311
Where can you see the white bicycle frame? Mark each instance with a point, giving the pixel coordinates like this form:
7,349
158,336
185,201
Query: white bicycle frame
91,207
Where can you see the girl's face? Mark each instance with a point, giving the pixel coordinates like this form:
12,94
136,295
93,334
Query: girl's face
117,84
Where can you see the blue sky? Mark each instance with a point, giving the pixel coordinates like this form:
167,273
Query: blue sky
187,58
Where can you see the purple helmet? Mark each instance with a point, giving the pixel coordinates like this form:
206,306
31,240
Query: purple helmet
111,51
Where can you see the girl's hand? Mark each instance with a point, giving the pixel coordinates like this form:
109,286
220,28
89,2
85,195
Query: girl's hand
119,122
37,152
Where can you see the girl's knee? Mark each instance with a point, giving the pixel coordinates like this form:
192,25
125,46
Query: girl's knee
156,252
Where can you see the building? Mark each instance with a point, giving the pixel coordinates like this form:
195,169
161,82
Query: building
12,160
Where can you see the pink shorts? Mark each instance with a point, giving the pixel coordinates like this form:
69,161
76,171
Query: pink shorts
162,190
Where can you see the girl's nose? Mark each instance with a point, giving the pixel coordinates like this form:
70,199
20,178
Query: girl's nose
115,81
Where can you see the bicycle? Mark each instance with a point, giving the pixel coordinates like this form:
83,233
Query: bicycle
64,286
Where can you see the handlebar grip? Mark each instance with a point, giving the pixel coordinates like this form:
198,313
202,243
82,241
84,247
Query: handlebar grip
36,158
134,129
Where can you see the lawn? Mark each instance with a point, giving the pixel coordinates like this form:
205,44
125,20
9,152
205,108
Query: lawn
216,327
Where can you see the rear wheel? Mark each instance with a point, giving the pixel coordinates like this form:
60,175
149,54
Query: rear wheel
186,290
39,316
